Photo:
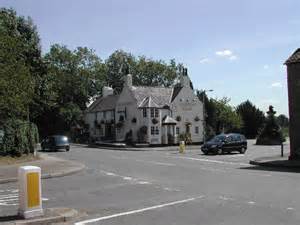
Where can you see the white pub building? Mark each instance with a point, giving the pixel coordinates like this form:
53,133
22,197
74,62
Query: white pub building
153,115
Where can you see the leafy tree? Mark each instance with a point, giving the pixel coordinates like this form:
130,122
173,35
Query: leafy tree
75,77
20,63
227,118
220,117
271,134
282,120
145,71
118,65
253,118
156,72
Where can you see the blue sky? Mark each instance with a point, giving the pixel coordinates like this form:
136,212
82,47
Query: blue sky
235,47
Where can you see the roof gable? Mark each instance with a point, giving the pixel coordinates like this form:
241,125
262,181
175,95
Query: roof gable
155,96
294,58
104,104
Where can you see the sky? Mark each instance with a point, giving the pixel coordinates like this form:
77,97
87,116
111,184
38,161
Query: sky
235,47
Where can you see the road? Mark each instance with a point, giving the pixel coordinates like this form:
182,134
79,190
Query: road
159,187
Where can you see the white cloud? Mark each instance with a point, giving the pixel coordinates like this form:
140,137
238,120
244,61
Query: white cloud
266,67
233,57
227,54
204,60
276,85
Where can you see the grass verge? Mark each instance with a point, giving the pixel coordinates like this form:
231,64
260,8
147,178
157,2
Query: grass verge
9,160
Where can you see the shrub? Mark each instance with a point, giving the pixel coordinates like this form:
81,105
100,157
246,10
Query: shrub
20,137
186,137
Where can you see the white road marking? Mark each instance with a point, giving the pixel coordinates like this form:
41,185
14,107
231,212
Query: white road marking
144,182
156,163
290,208
11,198
8,196
127,178
225,198
251,203
146,161
110,174
8,204
214,161
138,211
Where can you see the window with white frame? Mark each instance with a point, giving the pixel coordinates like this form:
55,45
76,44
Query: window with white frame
152,112
156,112
144,112
152,130
177,130
196,130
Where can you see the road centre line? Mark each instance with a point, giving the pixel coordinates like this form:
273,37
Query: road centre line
138,211
146,161
213,161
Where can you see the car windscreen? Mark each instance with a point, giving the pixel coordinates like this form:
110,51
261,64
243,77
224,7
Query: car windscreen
61,140
218,139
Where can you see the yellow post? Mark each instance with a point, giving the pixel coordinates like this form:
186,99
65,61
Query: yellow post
181,147
30,196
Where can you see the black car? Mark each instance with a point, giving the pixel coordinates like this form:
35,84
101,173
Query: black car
225,143
56,142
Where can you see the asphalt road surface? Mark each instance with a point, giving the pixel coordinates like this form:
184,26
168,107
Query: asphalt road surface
165,187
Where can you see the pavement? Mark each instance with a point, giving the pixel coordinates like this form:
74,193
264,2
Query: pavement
50,167
276,161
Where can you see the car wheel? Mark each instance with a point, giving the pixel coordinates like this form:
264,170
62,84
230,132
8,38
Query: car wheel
205,152
243,150
67,149
219,151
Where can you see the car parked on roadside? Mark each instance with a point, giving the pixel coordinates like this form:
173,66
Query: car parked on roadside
225,143
55,142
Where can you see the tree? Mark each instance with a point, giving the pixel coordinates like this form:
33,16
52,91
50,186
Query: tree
118,65
227,120
75,77
271,133
282,120
156,72
20,64
145,71
220,117
253,119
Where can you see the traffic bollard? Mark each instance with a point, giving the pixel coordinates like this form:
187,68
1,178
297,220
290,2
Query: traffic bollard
30,194
181,147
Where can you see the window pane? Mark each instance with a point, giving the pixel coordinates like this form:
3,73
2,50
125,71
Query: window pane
156,112
152,112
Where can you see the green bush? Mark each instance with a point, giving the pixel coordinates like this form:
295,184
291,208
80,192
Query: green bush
186,137
20,137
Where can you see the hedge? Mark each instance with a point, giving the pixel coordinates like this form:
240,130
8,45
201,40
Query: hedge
20,137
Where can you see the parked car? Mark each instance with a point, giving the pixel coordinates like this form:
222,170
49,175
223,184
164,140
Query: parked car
225,143
56,142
